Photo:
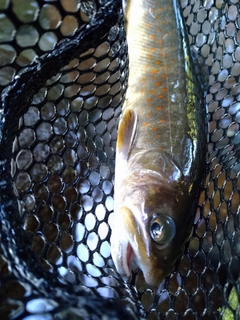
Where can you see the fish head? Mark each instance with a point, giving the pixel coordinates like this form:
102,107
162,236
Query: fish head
154,213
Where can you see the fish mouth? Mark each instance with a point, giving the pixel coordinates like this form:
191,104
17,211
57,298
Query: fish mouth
127,246
124,265
130,256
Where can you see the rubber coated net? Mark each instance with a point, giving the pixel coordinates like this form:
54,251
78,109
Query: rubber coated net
63,77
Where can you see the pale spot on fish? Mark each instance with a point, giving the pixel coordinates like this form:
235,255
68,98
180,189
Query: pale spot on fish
151,12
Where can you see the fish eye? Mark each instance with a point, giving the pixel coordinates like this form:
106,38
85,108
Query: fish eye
162,229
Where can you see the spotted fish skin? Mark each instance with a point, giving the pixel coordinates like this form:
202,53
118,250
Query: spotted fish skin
159,86
161,143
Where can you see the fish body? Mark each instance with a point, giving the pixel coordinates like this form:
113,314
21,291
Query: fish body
161,143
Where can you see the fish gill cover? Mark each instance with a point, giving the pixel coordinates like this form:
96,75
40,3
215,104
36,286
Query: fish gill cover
63,78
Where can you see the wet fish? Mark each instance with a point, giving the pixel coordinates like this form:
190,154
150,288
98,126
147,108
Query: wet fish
161,145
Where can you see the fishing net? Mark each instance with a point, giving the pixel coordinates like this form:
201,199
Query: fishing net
63,78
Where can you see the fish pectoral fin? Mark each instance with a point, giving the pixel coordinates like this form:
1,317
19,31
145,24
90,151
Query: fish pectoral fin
126,133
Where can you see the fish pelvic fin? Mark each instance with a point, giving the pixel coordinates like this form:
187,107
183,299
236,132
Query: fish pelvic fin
126,133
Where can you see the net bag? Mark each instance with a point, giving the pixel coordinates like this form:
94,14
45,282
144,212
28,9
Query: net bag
63,79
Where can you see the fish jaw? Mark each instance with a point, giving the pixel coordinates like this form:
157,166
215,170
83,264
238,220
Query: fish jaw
128,244
122,257
121,250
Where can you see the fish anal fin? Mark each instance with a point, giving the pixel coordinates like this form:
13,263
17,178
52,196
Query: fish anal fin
126,133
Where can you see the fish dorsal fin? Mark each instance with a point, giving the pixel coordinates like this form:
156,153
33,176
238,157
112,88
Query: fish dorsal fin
126,133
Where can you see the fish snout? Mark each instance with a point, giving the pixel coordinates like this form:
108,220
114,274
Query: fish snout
121,249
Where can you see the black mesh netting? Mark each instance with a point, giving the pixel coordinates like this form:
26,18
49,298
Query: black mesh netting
63,77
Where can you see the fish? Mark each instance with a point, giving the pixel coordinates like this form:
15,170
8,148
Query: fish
161,143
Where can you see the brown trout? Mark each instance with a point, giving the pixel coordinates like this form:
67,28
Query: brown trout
161,145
